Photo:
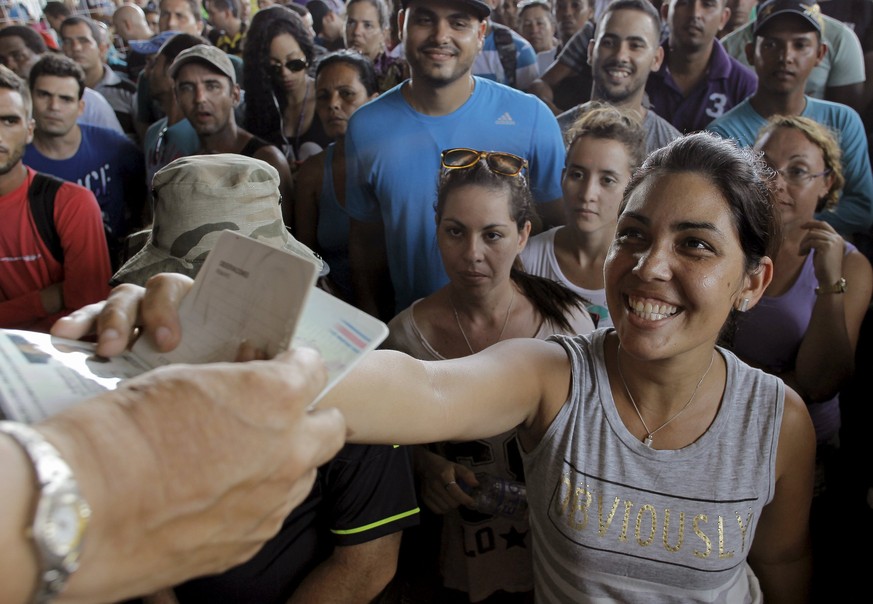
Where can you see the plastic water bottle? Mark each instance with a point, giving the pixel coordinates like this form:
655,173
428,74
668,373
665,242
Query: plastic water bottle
499,496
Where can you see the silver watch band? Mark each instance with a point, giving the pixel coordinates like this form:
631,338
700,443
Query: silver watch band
57,487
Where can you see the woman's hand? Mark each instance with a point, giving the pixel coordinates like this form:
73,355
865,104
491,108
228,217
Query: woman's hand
440,478
829,248
118,319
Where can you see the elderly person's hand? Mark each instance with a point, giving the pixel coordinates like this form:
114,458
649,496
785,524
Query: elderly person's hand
190,469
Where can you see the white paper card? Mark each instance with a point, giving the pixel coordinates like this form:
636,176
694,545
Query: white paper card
246,290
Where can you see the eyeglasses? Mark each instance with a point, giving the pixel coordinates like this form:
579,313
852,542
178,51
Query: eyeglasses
498,162
798,176
294,65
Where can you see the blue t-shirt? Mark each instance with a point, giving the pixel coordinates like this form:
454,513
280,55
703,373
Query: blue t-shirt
393,167
110,166
854,212
726,83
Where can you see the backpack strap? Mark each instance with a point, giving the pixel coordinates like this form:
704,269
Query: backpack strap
506,51
41,196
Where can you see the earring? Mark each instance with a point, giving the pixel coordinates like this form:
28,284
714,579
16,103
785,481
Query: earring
744,305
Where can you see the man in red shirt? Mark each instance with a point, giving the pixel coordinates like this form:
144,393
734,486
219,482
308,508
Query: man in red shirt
35,287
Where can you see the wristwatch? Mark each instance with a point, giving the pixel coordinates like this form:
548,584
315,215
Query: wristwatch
837,288
61,515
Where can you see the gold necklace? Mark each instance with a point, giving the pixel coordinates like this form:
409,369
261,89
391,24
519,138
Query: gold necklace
650,434
502,329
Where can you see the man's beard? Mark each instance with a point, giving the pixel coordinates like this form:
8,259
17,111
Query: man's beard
13,161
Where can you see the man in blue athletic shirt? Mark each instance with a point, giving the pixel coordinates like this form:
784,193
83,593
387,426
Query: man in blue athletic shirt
393,147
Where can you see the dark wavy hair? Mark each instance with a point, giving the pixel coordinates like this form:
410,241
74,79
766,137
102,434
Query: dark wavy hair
265,99
59,66
552,300
741,178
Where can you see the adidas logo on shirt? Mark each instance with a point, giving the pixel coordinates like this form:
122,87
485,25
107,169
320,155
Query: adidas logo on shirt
505,120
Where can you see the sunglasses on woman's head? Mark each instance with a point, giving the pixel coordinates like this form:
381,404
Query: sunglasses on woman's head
498,162
294,65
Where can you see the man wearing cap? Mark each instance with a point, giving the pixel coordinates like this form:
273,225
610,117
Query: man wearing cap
171,136
699,81
21,47
176,16
207,93
393,147
839,77
101,160
148,109
786,48
36,288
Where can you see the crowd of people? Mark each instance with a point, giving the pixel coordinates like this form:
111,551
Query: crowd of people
623,248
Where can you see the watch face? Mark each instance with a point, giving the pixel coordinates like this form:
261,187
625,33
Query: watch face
64,526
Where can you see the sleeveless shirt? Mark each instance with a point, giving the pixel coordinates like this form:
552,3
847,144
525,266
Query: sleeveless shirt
332,232
253,146
616,521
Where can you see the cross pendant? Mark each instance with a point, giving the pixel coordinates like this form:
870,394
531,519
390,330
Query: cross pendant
648,441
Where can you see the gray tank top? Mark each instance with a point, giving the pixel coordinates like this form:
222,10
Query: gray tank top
613,520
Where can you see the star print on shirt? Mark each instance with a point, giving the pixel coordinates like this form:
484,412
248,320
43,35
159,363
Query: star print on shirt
514,538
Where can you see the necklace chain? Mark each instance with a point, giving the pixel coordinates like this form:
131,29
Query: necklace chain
650,434
502,329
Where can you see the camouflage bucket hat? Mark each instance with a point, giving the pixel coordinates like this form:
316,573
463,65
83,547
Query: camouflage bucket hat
197,197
